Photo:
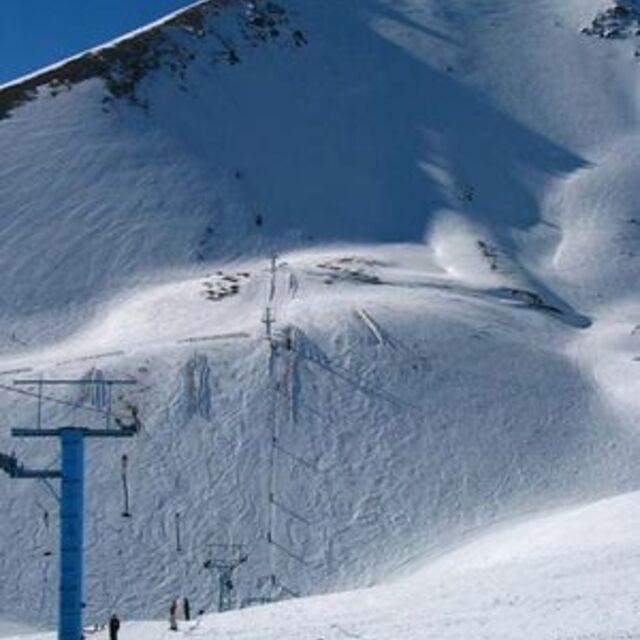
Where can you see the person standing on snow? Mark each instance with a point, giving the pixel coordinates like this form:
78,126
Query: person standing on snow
186,607
114,627
173,613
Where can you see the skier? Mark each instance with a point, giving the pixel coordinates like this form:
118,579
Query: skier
186,606
114,627
173,612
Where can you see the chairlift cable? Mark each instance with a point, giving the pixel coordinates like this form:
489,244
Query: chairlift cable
60,401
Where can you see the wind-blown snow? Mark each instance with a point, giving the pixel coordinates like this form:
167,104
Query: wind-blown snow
452,189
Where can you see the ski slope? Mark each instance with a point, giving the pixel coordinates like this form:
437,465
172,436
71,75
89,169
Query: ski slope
554,577
451,190
13,629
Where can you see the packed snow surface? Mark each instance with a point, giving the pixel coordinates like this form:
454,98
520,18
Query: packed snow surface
428,400
563,576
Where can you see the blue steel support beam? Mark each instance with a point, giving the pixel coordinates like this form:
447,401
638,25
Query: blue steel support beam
71,538
71,511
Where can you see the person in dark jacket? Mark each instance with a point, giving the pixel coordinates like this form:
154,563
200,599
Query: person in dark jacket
186,607
173,615
114,627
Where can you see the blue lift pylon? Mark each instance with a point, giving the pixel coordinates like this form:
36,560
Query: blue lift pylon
71,475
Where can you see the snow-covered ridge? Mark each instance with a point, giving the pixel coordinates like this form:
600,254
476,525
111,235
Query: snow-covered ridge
124,62
114,41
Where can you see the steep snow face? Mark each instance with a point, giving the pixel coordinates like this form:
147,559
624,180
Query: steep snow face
452,192
357,124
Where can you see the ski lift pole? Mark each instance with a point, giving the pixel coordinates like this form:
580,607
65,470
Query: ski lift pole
125,486
178,541
225,559
71,539
108,403
47,529
40,404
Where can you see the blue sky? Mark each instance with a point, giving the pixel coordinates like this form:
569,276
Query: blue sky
36,33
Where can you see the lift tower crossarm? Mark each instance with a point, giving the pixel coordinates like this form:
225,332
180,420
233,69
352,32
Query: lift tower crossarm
9,464
59,381
123,432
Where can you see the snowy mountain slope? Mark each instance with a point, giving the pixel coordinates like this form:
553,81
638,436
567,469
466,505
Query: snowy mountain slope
563,576
409,413
452,189
379,127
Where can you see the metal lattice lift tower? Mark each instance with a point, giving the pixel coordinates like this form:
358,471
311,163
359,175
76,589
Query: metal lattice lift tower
71,475
224,559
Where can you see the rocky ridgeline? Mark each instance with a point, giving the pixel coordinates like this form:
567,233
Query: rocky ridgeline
622,20
228,29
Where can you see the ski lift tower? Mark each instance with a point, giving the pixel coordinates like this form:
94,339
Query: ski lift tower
71,475
225,559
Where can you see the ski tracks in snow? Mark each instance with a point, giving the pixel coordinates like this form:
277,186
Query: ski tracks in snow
371,325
